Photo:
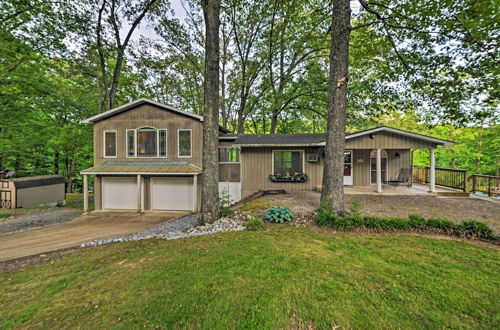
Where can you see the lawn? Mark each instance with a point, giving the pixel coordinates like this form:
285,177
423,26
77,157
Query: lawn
283,277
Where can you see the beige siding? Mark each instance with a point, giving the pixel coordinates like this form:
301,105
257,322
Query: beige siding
361,164
97,192
257,166
40,195
385,140
148,116
229,172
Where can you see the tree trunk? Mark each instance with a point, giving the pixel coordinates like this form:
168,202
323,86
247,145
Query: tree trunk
210,186
332,194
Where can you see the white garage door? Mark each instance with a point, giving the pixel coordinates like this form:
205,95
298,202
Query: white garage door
172,193
119,193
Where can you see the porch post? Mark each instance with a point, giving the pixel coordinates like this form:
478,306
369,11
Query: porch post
195,192
379,171
432,174
85,194
139,199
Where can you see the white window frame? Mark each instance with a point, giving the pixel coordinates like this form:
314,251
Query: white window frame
127,144
303,159
104,143
231,147
157,142
190,142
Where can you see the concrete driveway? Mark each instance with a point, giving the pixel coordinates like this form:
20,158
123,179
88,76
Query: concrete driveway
82,229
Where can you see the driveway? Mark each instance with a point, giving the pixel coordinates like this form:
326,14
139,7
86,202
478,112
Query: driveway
78,230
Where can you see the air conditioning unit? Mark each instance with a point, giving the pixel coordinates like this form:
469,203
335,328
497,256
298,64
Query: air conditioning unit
312,157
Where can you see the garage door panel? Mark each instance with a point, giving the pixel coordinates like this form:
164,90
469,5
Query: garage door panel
172,193
119,193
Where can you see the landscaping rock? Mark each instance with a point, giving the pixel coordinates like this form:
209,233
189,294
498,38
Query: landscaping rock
179,228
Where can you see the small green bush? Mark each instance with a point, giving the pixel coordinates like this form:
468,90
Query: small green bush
417,222
443,225
225,212
254,224
323,217
355,207
471,228
279,214
395,224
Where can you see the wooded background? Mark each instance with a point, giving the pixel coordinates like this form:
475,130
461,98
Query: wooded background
426,66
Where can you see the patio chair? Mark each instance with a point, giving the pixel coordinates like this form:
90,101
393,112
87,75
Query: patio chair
403,177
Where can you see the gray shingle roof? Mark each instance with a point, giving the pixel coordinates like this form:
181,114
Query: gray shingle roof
280,139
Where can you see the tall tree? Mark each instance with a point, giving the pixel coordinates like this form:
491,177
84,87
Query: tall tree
332,194
210,186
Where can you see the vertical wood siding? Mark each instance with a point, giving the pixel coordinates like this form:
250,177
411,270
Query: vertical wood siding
385,140
148,116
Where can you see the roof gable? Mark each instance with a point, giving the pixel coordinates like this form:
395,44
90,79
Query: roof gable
139,102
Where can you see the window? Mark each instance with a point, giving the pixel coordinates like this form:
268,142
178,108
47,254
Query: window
229,155
383,166
109,143
130,143
147,142
162,144
184,143
288,162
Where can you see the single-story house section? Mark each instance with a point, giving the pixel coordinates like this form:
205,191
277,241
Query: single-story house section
32,191
147,156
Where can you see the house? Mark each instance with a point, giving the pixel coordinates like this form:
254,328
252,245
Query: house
148,156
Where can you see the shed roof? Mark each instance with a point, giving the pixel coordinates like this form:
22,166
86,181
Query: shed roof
35,181
131,167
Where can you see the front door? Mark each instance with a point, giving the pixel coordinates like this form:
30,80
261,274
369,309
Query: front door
348,181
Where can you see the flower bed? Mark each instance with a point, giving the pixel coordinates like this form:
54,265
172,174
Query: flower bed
296,177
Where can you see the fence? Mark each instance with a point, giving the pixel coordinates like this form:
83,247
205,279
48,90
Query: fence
484,183
446,177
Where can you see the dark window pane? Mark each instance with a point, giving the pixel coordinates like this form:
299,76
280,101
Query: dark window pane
131,143
288,162
347,170
229,155
110,144
347,157
163,142
146,142
185,143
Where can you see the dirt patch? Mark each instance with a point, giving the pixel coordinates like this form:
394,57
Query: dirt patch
453,208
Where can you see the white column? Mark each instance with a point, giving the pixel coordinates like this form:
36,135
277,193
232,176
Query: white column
432,174
139,199
379,171
195,192
85,194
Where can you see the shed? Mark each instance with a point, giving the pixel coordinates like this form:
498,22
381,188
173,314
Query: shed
32,191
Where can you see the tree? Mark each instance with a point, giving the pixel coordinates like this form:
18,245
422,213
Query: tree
332,194
210,186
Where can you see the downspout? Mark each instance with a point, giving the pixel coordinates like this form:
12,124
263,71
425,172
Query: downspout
411,167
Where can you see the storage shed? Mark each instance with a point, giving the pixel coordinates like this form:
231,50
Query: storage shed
32,191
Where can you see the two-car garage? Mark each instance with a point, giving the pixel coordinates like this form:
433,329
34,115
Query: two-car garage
159,193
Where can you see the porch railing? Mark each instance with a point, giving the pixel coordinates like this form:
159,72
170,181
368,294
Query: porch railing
446,177
484,183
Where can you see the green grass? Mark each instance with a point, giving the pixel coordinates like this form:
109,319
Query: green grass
75,201
284,277
5,215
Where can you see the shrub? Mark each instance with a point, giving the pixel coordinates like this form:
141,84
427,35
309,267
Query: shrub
417,222
224,203
471,228
278,214
254,224
395,224
324,217
443,225
355,207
